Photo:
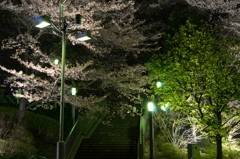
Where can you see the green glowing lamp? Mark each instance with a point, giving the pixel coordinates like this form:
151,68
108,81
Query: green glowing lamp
163,108
150,106
73,91
56,61
159,84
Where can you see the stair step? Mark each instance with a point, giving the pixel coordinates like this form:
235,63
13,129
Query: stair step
122,147
113,134
102,143
117,141
105,157
118,127
109,151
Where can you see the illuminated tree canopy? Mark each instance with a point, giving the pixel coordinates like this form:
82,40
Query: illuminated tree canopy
201,76
105,73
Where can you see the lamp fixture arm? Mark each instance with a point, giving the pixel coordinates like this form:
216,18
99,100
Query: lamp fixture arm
64,1
69,24
55,13
61,18
56,27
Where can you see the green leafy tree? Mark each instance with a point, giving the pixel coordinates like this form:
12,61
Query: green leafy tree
201,75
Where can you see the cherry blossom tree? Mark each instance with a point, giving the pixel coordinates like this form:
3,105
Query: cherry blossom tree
113,28
223,14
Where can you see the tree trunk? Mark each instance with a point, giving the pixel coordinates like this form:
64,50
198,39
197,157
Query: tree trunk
219,146
22,103
194,130
22,110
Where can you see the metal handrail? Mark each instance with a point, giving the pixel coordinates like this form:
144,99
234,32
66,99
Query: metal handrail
82,129
140,141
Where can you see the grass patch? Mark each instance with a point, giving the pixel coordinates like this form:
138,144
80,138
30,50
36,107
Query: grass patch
37,137
165,150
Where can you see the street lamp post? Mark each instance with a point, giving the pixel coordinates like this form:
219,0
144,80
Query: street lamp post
60,143
82,36
151,130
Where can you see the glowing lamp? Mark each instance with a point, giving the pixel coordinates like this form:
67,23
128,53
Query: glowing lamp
56,61
84,36
159,84
163,108
43,22
150,106
73,91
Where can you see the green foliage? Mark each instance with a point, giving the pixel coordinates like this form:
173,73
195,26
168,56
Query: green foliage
168,150
43,125
206,156
228,152
210,151
164,150
200,75
171,151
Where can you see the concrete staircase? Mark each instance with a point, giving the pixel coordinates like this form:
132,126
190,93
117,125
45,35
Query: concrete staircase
118,141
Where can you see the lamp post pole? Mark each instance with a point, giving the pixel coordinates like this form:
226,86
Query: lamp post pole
73,93
151,134
61,144
151,130
60,147
45,21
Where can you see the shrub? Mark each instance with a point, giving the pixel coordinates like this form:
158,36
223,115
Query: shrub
15,140
176,129
206,156
164,150
230,154
38,128
170,151
42,125
228,151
